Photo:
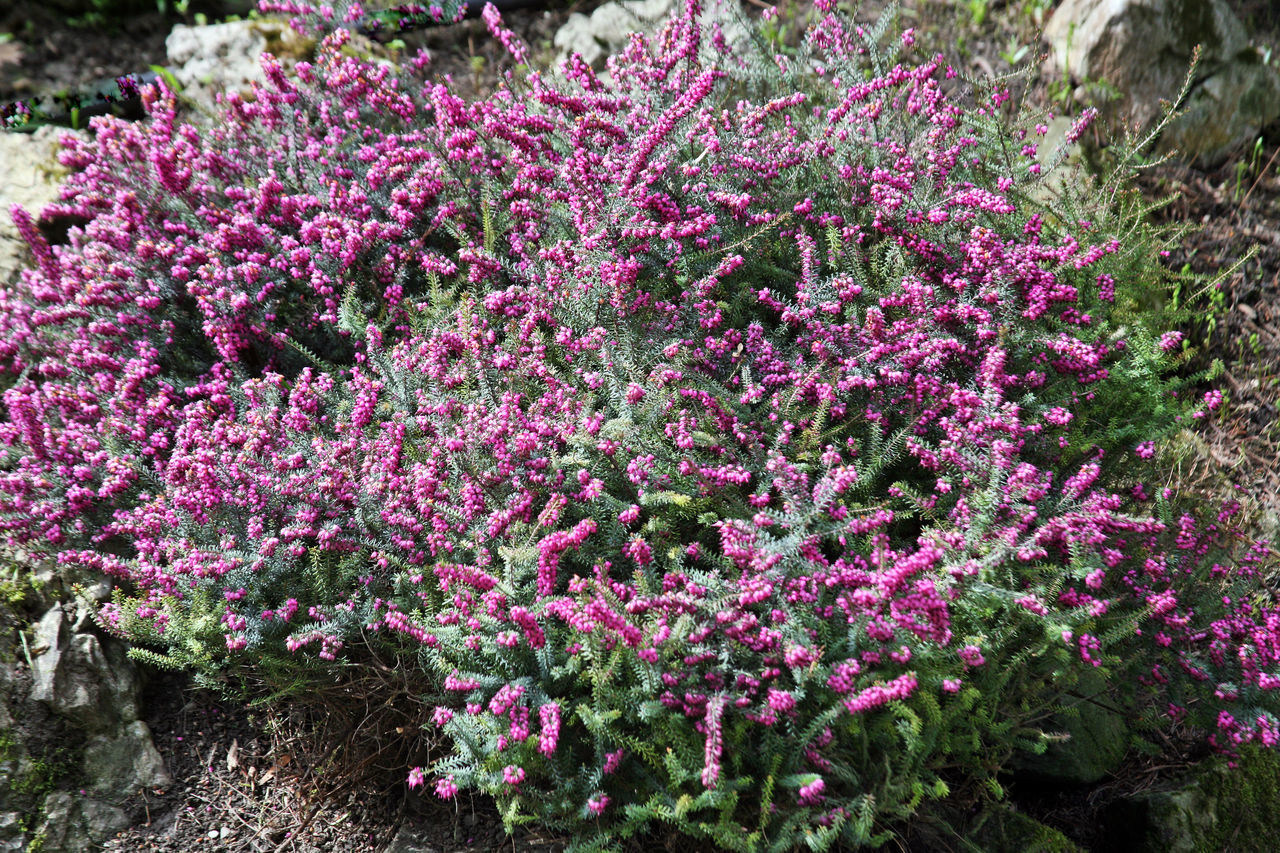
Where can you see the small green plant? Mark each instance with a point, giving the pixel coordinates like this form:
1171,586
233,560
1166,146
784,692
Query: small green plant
1217,300
17,584
1033,11
106,13
1247,168
42,774
12,593
978,10
1015,51
8,744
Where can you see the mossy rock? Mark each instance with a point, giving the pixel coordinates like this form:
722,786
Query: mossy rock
284,42
1218,808
1009,831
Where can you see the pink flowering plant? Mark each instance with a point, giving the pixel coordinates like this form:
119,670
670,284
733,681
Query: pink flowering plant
741,442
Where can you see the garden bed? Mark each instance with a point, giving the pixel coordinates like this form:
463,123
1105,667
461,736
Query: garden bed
222,756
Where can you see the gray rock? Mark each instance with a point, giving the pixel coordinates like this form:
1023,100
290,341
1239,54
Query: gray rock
29,176
225,57
1216,807
1178,821
1096,748
11,835
76,824
73,676
1225,112
608,29
8,771
44,573
215,58
1144,47
99,591
587,37
12,755
407,840
650,11
1007,830
121,763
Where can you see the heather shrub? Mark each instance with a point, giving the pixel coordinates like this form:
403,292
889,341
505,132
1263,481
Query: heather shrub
741,443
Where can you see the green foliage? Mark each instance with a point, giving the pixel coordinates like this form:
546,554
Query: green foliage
8,743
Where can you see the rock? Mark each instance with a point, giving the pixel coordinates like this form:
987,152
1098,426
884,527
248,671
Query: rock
8,772
407,840
598,36
1144,47
609,27
1009,831
1097,746
76,679
29,176
99,591
76,823
1172,821
1054,145
12,754
11,835
13,758
651,11
223,57
1226,112
11,832
1217,808
121,763
215,58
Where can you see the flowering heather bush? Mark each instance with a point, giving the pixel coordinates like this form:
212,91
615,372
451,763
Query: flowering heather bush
736,443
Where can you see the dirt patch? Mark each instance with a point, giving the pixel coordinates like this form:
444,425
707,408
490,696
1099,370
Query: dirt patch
253,780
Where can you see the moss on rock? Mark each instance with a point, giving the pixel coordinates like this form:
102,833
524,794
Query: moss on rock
1219,808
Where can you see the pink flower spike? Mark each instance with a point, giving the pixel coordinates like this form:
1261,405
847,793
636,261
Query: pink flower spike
811,794
597,804
971,655
446,788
